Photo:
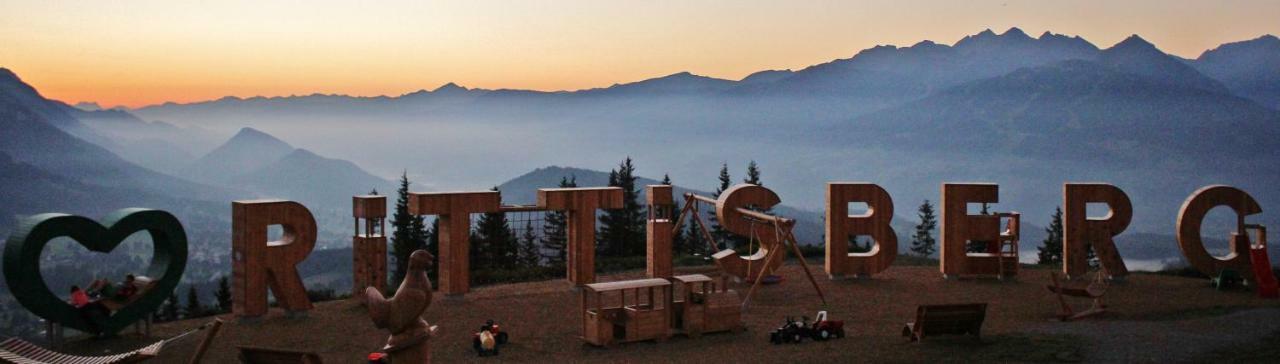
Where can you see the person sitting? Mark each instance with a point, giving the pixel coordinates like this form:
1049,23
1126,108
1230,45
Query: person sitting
104,289
91,311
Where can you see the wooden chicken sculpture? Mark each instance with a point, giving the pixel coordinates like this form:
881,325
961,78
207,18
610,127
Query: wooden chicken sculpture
402,313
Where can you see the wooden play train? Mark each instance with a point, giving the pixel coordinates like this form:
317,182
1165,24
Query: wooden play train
652,309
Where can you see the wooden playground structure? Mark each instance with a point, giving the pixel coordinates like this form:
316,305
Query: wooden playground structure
650,309
770,234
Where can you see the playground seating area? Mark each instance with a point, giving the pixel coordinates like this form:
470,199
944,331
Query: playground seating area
547,316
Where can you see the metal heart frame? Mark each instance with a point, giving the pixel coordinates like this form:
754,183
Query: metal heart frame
22,261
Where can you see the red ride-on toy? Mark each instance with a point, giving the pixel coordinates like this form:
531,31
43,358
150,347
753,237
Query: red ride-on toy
488,339
824,329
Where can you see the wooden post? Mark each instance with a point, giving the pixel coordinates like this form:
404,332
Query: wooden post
1192,216
580,205
876,223
257,264
1079,232
658,228
369,246
454,209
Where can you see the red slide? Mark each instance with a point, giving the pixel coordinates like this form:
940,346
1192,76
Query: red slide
1266,281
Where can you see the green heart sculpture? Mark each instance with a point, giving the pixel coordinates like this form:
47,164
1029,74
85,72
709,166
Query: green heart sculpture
22,262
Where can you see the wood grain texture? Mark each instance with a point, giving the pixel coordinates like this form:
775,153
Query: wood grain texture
580,205
959,227
875,223
258,265
732,220
1079,231
1191,217
454,209
659,231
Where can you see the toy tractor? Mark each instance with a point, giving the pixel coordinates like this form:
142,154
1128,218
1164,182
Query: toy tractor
488,339
790,332
824,329
796,331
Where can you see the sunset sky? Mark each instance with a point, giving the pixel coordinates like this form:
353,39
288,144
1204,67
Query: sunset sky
145,52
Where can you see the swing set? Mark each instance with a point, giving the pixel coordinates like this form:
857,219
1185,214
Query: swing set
767,252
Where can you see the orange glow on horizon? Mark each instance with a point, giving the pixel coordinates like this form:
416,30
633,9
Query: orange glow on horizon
148,52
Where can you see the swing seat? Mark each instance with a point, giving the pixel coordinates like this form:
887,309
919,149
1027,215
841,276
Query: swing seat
1093,291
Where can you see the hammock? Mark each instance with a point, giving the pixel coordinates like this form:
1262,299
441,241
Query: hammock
18,351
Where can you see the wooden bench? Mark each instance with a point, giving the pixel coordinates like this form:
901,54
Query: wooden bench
958,319
256,355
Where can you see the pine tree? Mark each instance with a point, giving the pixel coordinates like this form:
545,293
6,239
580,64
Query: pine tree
170,310
223,295
409,234
194,309
529,256
622,230
678,241
753,174
922,242
432,246
1050,251
857,246
493,244
717,232
694,240
555,230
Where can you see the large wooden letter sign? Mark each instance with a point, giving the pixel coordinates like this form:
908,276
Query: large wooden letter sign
580,206
659,231
840,225
257,264
959,228
752,266
1192,215
454,210
1079,231
369,245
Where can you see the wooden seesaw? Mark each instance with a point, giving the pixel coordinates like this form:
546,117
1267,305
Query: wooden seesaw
771,232
1094,290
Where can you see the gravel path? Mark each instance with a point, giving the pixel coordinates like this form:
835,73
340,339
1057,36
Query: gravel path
1168,341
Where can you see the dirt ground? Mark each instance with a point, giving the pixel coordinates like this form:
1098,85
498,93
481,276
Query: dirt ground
1152,319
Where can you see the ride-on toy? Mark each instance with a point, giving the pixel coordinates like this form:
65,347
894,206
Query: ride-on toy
796,331
488,339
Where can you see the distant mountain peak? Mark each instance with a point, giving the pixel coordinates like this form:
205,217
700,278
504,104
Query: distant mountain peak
1135,42
1016,33
87,106
449,87
251,136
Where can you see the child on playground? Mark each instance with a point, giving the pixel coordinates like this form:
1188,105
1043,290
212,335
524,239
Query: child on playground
103,289
91,311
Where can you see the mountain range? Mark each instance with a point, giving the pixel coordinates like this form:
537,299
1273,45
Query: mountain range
1027,112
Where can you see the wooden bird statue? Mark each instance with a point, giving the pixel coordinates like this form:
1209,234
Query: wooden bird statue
402,314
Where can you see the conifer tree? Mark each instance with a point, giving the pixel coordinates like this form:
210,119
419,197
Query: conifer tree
432,246
1050,251
170,310
717,232
678,241
409,235
493,244
194,309
555,230
529,256
622,230
922,242
753,174
223,295
694,241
